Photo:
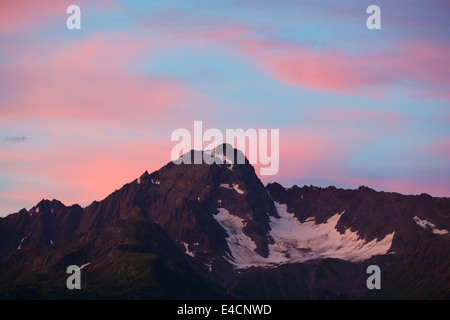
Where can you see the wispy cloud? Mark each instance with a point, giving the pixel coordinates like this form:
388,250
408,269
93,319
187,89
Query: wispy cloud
16,139
420,64
17,16
90,80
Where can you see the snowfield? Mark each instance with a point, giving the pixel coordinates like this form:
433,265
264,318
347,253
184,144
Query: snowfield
297,242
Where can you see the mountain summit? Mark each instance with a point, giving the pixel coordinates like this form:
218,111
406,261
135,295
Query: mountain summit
200,231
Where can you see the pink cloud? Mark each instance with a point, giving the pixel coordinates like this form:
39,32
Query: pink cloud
24,15
90,80
328,71
19,15
335,70
422,63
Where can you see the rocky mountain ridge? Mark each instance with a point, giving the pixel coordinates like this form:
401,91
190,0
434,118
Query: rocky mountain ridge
223,234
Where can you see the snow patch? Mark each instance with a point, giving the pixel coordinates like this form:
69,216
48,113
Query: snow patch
424,224
154,181
84,265
212,157
139,180
234,186
186,246
209,265
23,239
297,242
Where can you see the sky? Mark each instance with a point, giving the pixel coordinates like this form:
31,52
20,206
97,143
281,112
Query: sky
82,112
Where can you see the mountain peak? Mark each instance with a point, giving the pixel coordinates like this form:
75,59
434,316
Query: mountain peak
48,206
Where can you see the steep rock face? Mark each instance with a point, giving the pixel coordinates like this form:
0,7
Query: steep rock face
325,279
46,223
191,194
420,271
183,200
